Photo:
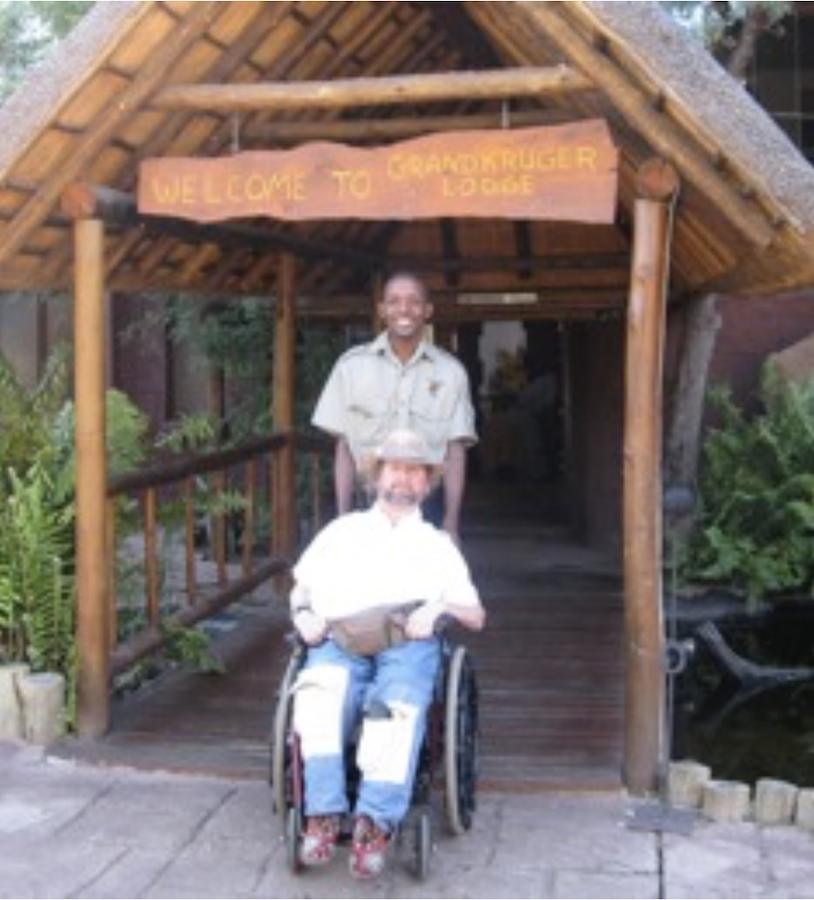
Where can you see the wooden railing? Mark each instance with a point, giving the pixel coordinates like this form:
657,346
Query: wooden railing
264,469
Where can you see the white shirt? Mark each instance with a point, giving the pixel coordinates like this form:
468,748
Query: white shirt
362,560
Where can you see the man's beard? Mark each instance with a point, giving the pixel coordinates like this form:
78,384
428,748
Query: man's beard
400,497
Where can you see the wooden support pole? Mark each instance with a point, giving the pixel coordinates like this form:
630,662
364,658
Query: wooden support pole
284,347
385,91
642,495
91,481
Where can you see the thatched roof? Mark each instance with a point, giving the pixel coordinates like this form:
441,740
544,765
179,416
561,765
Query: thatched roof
744,218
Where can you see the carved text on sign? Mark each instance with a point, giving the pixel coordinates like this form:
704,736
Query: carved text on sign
566,172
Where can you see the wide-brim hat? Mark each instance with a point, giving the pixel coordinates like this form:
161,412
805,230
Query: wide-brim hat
402,445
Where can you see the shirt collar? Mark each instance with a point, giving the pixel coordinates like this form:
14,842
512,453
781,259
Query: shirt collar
381,346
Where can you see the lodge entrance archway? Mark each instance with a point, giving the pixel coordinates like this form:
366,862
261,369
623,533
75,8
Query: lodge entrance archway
210,183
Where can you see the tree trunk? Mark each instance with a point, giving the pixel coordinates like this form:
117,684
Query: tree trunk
701,325
756,22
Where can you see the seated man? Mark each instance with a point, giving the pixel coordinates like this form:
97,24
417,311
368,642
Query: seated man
354,573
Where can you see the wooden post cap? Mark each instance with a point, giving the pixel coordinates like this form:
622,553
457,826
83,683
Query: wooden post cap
657,180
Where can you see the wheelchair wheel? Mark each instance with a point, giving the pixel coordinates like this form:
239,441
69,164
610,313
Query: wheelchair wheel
280,748
460,742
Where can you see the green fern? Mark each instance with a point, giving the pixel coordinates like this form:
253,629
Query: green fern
37,597
756,531
28,415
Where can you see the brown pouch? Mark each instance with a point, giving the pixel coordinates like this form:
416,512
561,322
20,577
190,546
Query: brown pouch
372,631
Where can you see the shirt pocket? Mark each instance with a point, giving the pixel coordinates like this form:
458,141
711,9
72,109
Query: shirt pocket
432,407
369,418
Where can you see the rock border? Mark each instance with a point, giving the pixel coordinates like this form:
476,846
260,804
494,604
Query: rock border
774,802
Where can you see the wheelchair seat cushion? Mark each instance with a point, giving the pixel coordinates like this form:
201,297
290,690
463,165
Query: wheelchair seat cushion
374,630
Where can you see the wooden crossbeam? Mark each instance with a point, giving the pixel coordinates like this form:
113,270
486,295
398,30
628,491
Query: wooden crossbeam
84,201
265,134
385,91
612,261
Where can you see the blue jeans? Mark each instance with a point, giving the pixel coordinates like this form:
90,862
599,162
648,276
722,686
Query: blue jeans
333,691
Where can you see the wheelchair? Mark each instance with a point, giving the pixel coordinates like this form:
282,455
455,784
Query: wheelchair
448,760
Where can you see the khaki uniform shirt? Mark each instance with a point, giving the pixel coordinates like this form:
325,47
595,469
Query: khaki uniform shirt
370,392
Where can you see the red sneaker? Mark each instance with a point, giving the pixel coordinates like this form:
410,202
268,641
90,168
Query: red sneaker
319,840
369,849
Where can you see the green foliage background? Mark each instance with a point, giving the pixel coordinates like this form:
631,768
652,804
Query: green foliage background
27,31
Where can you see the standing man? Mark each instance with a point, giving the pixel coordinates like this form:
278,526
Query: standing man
399,380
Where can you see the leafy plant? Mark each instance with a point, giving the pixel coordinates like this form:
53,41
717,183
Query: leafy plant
37,591
127,441
37,493
192,647
28,416
756,530
192,431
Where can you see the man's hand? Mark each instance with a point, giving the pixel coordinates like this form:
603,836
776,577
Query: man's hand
421,622
311,627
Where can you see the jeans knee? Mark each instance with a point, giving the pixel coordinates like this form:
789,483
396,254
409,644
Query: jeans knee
386,745
319,699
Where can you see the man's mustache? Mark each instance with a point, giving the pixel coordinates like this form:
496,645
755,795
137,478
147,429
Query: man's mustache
401,497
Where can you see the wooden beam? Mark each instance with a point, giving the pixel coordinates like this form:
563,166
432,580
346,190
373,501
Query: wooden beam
535,263
386,91
363,38
644,715
82,200
87,149
665,138
478,315
553,304
283,133
91,481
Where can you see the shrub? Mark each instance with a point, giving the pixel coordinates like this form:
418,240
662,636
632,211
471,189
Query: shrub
756,528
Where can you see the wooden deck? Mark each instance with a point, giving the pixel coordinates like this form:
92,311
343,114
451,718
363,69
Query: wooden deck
549,668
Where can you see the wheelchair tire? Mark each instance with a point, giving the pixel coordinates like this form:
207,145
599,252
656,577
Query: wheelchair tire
460,742
280,750
293,834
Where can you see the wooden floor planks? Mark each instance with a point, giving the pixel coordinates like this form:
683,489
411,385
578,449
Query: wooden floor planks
549,667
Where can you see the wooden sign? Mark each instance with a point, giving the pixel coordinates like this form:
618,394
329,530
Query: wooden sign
565,173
